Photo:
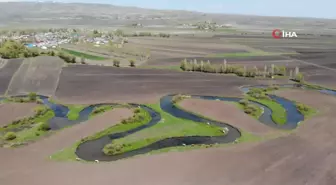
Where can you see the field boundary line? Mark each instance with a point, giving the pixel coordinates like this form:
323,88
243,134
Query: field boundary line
3,63
57,82
313,64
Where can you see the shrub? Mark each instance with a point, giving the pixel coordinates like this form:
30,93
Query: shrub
132,62
177,98
67,58
243,102
39,101
10,136
137,110
44,127
184,64
299,78
116,62
249,109
112,149
83,60
124,121
32,96
302,107
39,111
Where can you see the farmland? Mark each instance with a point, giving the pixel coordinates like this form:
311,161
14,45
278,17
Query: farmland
155,123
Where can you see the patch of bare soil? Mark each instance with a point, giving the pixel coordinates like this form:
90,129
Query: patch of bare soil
39,74
98,84
227,113
15,111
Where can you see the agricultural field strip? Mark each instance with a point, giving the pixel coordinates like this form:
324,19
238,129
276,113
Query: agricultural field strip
27,80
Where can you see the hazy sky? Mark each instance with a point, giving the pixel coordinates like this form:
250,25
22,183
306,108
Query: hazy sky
301,8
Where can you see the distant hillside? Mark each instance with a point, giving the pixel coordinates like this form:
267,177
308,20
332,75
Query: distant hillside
60,14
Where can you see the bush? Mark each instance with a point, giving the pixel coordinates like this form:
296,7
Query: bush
244,102
137,110
299,78
116,63
10,136
67,58
39,101
32,96
178,98
44,127
124,121
250,109
132,62
112,149
302,107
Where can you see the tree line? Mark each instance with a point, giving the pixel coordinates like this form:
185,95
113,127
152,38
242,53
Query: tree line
243,71
10,49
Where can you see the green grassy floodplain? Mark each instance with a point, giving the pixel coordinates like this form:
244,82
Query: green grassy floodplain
84,55
30,134
169,126
278,112
99,110
256,114
74,111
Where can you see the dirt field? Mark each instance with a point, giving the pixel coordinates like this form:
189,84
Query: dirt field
315,55
94,84
194,46
38,75
6,73
227,113
15,111
305,157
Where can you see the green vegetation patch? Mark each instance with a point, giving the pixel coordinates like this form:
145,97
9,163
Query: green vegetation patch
250,108
168,127
305,110
74,111
225,68
100,109
179,97
83,55
279,115
246,137
141,116
259,95
37,126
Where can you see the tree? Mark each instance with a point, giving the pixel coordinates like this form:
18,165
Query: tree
132,62
184,64
13,49
32,96
116,63
73,60
299,77
119,32
10,136
225,66
83,60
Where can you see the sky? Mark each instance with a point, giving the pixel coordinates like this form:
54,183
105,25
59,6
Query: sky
288,8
